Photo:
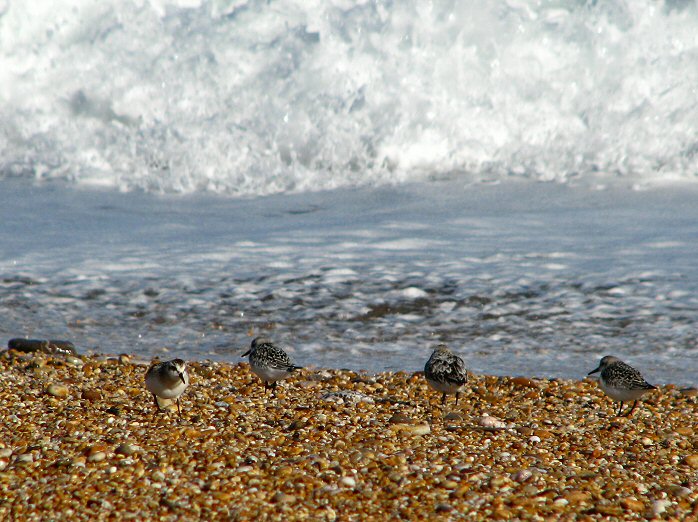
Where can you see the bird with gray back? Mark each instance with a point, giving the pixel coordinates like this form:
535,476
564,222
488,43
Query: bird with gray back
167,380
269,362
621,382
445,372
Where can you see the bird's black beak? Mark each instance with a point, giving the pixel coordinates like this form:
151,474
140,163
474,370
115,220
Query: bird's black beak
181,376
594,371
246,353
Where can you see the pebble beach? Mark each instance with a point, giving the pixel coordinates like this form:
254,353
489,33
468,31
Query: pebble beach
81,439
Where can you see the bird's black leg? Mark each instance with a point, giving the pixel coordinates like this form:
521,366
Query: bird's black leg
619,409
457,395
631,409
157,404
443,398
178,409
273,389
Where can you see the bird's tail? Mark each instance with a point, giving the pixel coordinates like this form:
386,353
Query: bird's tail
294,367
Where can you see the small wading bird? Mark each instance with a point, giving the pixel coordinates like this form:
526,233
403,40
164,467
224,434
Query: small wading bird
445,372
621,382
167,380
269,362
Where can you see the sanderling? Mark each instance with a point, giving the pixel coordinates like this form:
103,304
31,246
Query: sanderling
621,382
445,372
269,362
167,380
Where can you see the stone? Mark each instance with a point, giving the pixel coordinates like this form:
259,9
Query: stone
51,347
91,395
632,504
283,498
57,390
691,460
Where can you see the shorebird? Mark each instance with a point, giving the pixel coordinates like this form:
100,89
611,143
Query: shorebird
167,380
445,372
621,382
269,362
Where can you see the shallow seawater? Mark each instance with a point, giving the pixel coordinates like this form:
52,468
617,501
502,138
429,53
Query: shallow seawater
522,278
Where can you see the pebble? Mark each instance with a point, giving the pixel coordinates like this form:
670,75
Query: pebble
57,390
97,456
691,460
91,395
400,418
283,498
343,458
349,482
522,475
523,382
126,448
25,458
659,507
488,422
689,392
417,429
633,504
349,396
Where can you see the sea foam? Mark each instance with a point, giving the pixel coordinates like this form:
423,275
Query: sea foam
256,97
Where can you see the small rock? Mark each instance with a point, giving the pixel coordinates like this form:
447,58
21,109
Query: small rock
534,439
417,429
443,508
347,396
680,491
91,395
97,456
75,361
5,452
57,390
632,504
575,496
395,477
490,423
523,382
126,448
453,416
25,458
283,498
691,460
400,418
349,482
498,481
522,475
689,392
449,484
298,424
158,476
659,506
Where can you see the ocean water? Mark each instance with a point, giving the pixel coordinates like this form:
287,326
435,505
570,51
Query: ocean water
358,180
